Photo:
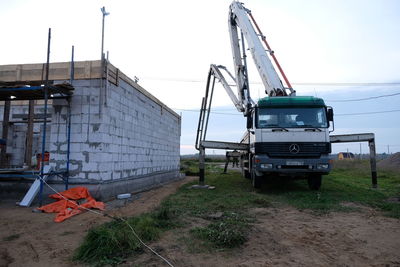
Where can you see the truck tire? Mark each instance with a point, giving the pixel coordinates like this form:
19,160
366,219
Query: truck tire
314,182
255,179
244,163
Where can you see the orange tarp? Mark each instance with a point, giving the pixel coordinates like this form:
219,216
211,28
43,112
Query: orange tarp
68,207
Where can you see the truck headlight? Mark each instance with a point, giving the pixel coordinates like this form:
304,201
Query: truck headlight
266,166
323,166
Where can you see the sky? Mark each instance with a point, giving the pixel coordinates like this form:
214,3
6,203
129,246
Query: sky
323,46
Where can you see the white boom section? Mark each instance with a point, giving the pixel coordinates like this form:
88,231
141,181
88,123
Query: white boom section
238,18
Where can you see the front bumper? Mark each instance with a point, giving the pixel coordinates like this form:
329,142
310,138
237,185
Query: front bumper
292,166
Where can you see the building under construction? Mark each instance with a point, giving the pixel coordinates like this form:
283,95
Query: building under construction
100,129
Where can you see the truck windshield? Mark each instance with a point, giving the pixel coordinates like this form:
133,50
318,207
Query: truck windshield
302,117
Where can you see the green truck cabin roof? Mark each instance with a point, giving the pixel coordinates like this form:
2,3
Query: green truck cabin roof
291,101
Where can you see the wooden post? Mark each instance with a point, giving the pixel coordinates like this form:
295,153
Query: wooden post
29,133
372,159
6,119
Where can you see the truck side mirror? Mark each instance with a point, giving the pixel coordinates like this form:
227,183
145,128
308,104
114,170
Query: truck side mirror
329,113
249,121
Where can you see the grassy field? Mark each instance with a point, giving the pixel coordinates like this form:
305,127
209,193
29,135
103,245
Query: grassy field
224,210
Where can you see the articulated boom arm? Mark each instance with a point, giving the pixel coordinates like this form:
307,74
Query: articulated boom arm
216,71
238,18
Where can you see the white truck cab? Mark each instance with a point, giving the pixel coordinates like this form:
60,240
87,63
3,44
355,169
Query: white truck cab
289,137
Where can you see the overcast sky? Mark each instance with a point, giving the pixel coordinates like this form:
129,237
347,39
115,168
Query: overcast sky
169,46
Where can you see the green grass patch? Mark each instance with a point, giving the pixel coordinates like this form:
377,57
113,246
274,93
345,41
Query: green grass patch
232,193
190,167
233,197
112,242
348,182
228,232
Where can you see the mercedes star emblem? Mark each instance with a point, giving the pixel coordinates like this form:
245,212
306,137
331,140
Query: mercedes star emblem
294,148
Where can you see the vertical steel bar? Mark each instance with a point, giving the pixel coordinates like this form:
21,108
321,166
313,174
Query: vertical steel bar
372,159
46,85
199,130
199,136
6,119
202,155
69,119
226,162
29,133
209,108
106,85
68,142
72,71
203,113
104,13
103,65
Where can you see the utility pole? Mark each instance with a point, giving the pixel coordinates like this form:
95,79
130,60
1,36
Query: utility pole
103,11
360,152
103,64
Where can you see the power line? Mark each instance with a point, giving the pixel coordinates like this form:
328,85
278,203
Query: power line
214,112
299,83
362,99
366,113
344,114
349,84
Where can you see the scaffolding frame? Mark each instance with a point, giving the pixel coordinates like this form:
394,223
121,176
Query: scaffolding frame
43,90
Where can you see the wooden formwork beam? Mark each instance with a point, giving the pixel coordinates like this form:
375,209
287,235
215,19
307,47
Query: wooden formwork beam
61,71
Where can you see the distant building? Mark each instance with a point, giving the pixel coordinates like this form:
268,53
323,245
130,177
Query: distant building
345,156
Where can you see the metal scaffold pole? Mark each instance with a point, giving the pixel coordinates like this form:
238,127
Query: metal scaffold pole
72,73
46,84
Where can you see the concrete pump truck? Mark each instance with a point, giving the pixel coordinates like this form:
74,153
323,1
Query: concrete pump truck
287,135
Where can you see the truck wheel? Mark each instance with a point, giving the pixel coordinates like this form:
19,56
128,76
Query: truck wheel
255,179
314,182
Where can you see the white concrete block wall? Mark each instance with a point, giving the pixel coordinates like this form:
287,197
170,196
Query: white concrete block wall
130,136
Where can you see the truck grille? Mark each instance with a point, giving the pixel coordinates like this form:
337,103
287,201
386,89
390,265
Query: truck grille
292,150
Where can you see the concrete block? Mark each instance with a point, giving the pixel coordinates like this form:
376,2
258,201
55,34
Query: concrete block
74,167
77,156
90,167
105,166
94,176
94,108
76,128
105,176
85,109
95,118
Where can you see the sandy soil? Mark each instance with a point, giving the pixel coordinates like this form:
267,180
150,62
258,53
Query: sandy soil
280,237
38,241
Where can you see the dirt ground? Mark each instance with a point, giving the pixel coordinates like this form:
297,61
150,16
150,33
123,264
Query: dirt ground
280,237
